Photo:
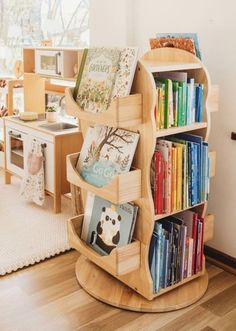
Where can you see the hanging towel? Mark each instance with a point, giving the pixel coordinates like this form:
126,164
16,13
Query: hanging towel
32,187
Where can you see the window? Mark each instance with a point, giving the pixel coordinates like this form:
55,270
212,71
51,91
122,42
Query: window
27,22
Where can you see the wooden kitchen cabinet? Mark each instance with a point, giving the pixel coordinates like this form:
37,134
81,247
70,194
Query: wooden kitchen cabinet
57,144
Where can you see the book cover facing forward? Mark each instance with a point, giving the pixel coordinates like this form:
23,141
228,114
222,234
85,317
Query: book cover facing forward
98,78
106,152
107,226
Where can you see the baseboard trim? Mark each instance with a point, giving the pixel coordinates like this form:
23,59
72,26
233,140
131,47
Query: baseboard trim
220,259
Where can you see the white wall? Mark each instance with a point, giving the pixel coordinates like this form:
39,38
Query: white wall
134,22
109,22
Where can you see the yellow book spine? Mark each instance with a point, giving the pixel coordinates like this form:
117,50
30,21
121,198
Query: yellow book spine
158,118
179,178
162,107
174,179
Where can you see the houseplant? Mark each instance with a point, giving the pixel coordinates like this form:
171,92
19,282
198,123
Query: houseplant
51,114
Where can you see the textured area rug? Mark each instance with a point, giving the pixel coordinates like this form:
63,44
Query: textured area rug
29,233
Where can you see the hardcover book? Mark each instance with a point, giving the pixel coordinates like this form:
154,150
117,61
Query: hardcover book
95,84
186,44
184,35
125,73
107,226
106,152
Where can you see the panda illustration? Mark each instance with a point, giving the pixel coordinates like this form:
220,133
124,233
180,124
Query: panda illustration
107,234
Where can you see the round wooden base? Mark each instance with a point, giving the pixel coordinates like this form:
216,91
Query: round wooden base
110,290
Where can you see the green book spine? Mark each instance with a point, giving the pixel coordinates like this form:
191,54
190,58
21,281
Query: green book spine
81,68
175,86
184,103
180,105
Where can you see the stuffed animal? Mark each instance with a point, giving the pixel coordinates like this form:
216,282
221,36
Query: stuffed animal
107,234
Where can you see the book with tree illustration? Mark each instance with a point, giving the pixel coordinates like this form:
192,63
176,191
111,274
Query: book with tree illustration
106,152
106,225
96,79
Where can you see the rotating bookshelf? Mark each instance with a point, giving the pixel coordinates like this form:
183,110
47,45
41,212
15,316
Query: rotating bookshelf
123,278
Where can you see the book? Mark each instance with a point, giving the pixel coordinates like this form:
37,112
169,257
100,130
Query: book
95,84
79,76
125,72
157,176
164,147
183,43
158,233
107,226
106,152
183,35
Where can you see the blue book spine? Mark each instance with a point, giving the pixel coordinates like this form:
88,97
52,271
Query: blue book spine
158,233
190,173
188,111
167,261
201,103
195,175
162,262
197,101
193,106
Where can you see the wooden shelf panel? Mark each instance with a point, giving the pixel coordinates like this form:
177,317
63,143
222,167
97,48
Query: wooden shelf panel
156,66
122,188
179,129
121,260
123,112
160,216
184,281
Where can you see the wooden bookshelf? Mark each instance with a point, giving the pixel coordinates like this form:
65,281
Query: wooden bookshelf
133,289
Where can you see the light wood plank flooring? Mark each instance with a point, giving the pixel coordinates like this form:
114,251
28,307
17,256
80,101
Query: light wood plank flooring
47,297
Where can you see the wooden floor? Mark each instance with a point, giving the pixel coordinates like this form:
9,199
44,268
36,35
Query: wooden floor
47,297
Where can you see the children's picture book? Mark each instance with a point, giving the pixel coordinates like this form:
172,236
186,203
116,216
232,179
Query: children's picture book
95,83
186,44
106,152
184,35
107,226
126,71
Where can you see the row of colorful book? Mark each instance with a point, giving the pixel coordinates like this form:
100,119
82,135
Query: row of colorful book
179,173
176,249
179,100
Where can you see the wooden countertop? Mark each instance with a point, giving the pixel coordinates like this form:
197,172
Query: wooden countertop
36,125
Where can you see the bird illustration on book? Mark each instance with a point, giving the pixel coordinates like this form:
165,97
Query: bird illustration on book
107,234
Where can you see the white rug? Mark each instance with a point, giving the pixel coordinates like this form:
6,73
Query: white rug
29,233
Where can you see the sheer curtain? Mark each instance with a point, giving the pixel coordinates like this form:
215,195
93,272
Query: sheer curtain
27,22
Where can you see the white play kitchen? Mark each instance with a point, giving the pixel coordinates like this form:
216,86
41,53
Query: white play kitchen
53,140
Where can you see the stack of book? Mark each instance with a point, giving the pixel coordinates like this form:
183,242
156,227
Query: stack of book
179,100
176,249
179,173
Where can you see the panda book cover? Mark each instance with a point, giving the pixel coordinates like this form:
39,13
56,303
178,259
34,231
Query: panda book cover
106,152
107,226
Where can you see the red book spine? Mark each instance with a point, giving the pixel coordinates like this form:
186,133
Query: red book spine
159,171
199,246
155,181
202,243
194,236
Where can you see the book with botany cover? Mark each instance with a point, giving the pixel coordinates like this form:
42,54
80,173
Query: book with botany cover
97,80
106,225
125,73
106,152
